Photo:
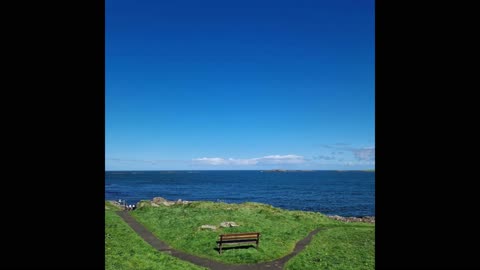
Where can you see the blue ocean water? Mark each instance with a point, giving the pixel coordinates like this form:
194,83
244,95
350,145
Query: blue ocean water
344,193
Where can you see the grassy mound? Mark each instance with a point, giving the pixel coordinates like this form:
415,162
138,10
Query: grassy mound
179,226
111,206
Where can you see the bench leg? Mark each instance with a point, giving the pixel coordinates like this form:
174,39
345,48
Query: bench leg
220,248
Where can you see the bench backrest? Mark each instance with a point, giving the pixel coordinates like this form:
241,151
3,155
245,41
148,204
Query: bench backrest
239,236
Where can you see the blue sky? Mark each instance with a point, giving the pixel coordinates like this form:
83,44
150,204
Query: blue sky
239,85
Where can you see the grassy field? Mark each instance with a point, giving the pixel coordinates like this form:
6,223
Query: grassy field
124,249
340,246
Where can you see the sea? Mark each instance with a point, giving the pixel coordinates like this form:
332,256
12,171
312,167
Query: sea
344,193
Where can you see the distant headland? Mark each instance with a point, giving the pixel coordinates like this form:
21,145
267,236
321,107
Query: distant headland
280,170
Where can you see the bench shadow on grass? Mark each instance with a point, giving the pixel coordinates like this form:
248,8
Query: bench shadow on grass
234,247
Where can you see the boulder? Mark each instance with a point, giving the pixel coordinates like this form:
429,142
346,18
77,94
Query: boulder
226,224
211,227
368,219
158,200
167,203
115,203
335,217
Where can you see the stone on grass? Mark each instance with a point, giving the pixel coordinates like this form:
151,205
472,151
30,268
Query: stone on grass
226,224
212,227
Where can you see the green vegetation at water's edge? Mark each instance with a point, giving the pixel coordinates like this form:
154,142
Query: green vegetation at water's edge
112,207
124,249
339,246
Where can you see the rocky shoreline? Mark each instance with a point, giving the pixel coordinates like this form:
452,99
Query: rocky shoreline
157,201
368,219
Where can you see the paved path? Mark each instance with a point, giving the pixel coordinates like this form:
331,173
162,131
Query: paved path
213,265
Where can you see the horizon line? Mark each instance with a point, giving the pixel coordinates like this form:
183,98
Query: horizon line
236,170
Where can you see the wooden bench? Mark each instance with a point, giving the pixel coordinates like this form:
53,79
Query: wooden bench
238,239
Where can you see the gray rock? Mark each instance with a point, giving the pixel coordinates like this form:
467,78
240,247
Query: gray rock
226,224
115,203
211,227
353,219
158,200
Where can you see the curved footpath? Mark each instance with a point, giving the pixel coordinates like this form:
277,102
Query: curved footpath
213,265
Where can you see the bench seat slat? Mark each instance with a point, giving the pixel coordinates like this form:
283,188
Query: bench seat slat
239,237
237,241
239,234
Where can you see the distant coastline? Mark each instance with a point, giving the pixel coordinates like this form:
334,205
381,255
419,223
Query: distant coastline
280,170
227,170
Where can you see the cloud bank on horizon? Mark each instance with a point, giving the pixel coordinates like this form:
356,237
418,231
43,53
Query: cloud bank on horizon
361,156
342,156
272,159
367,154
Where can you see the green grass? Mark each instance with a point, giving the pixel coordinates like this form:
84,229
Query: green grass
111,207
342,246
124,249
345,248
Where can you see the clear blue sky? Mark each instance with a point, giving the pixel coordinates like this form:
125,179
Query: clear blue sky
240,85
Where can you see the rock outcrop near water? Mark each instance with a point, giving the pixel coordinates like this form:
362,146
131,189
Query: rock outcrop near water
369,219
157,201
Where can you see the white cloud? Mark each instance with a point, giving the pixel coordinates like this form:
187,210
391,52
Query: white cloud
272,159
360,154
358,163
364,154
251,161
212,161
278,159
325,157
